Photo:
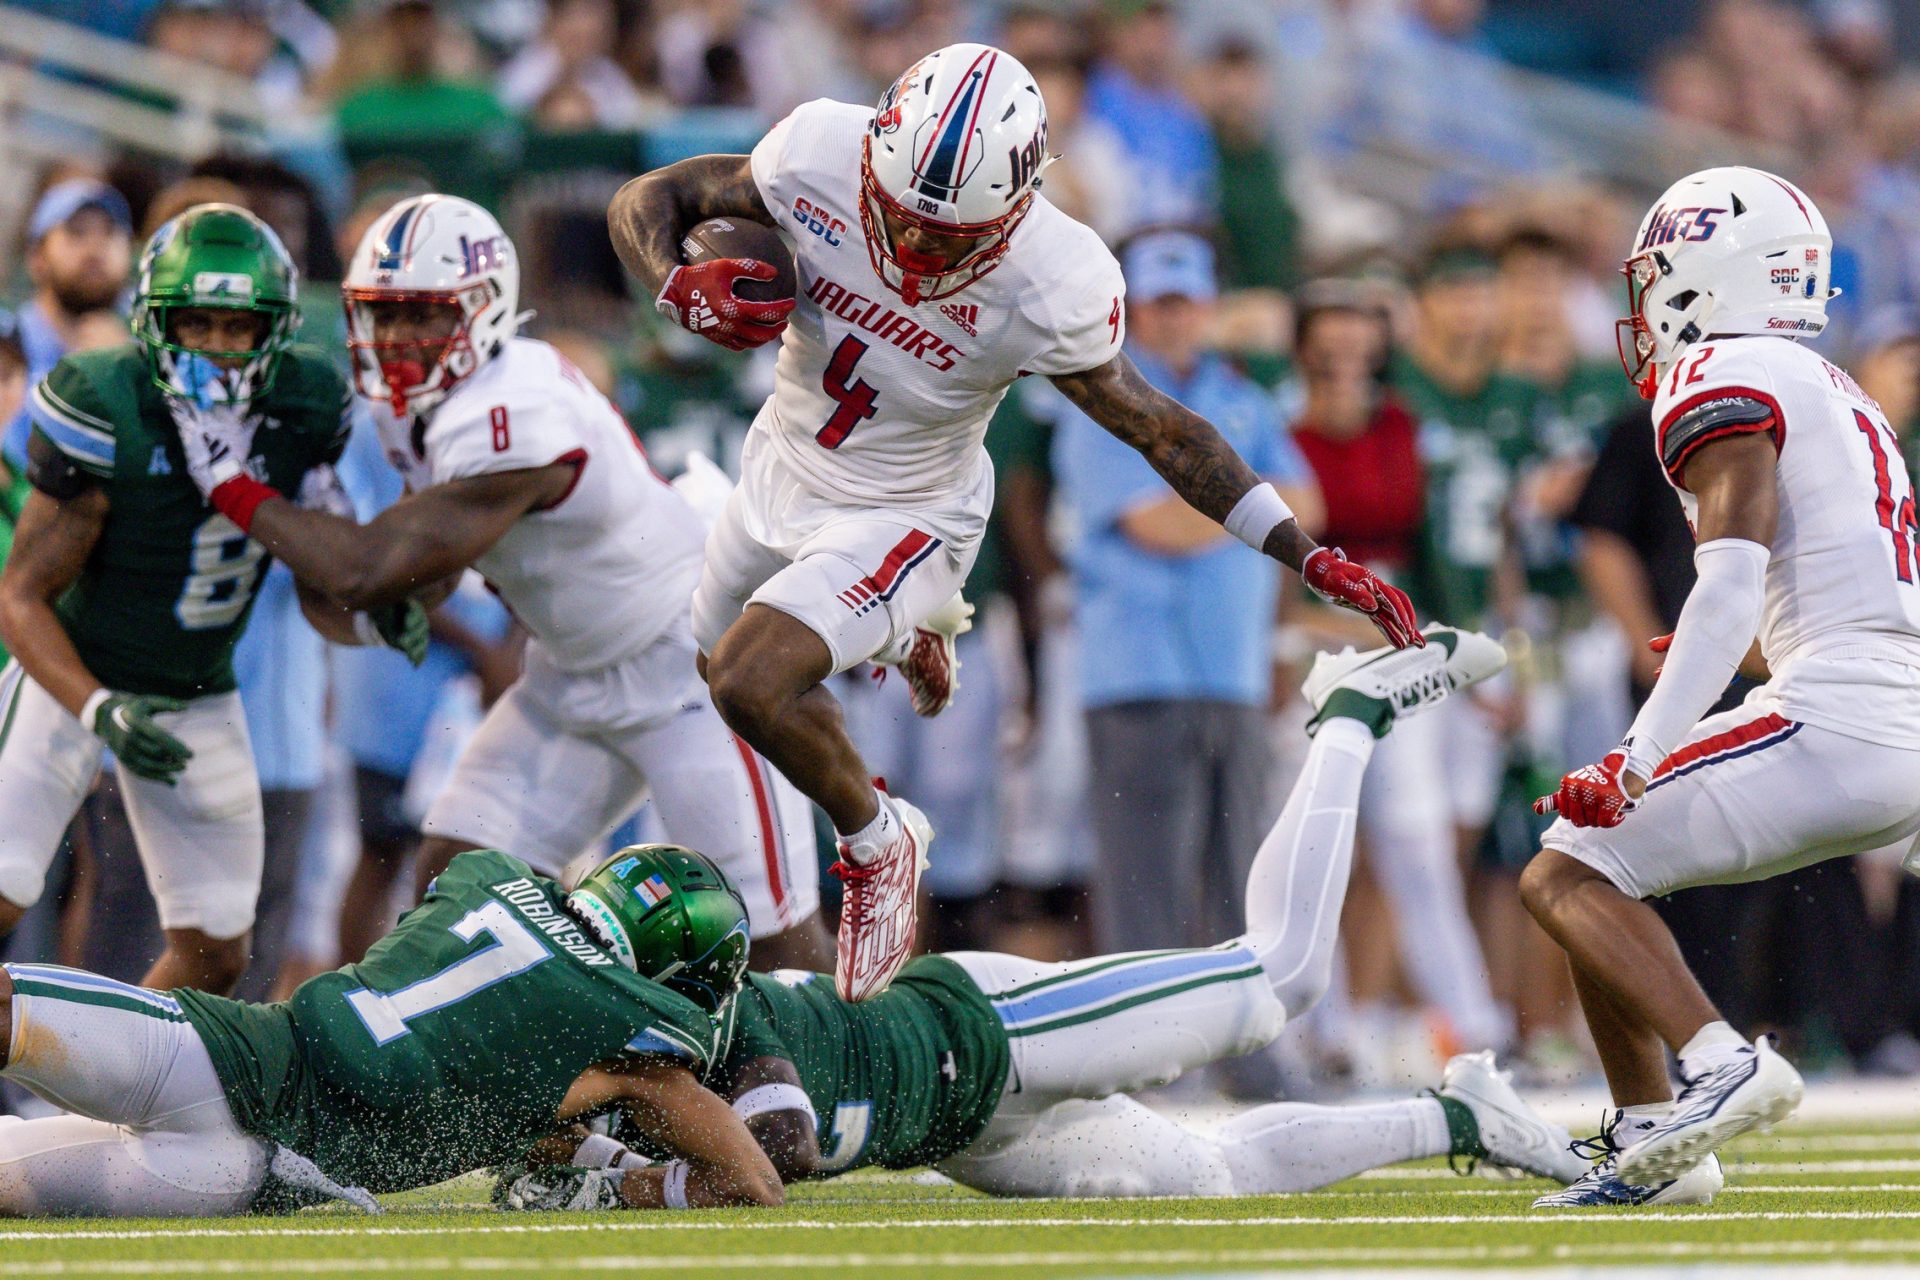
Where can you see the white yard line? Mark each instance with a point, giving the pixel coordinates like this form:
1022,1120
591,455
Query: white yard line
1734,1167
1019,1259
366,1228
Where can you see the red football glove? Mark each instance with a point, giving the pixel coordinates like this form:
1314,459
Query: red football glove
1660,644
1356,587
1593,796
700,299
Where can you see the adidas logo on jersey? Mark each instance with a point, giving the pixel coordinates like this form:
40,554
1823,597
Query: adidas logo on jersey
964,314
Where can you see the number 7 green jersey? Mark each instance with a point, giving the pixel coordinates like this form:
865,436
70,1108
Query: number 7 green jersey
166,593
451,1046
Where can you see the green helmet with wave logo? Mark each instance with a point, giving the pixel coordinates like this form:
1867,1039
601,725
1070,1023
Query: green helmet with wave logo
221,256
669,914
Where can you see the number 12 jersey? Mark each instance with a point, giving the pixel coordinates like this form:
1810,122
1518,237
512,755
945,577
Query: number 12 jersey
1841,624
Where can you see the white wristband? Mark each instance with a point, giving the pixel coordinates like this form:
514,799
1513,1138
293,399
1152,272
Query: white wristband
365,632
92,707
1259,512
598,1151
774,1097
673,1191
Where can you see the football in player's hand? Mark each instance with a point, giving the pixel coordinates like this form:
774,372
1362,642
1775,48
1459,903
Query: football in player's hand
739,238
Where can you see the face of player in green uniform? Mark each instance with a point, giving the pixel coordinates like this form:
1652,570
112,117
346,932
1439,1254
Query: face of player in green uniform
228,336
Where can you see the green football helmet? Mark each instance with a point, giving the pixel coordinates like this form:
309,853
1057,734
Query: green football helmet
215,255
669,914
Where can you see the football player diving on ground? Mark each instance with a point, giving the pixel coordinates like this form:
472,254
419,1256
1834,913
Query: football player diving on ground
1011,1075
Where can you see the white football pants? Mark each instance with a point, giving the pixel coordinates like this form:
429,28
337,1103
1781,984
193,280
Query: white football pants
1082,1032
151,1134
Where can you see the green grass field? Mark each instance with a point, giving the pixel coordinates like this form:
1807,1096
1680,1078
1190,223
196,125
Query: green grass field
1802,1196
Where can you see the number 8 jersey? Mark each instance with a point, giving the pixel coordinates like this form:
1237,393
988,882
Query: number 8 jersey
1841,624
167,591
877,403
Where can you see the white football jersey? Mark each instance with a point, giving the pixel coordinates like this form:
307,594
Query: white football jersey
876,403
609,567
1841,626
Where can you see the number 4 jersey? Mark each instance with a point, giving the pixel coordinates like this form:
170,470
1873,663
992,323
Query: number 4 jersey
451,1046
166,593
877,403
1841,626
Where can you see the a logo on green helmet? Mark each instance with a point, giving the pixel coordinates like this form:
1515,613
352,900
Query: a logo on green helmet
222,288
606,926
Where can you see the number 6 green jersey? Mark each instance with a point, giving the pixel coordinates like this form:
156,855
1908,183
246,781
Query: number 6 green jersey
451,1046
166,593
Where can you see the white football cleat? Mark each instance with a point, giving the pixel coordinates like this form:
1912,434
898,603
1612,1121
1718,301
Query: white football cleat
1375,686
1602,1187
1513,1136
879,915
931,666
1753,1089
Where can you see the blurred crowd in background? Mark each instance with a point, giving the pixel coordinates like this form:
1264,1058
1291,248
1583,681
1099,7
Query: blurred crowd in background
1376,241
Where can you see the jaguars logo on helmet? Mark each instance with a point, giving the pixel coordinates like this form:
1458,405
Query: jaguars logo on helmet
221,256
669,914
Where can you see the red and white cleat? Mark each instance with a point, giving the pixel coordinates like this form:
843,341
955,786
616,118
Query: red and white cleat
932,667
879,915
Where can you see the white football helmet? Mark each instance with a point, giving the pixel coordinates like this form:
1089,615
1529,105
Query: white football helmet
956,150
440,250
1724,251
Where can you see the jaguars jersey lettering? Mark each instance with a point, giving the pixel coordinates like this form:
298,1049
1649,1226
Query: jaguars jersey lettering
451,1046
610,566
907,1078
877,403
1841,623
169,586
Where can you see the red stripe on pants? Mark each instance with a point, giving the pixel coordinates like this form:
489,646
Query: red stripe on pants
769,833
904,550
1738,736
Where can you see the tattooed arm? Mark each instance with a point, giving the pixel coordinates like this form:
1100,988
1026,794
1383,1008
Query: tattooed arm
1182,446
650,214
1203,468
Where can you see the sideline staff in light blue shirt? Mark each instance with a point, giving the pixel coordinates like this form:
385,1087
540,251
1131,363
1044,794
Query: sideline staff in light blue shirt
1170,606
1174,618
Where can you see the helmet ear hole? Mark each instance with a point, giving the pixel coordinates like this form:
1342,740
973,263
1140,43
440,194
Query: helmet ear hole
1682,300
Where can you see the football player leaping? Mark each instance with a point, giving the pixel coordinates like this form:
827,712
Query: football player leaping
1792,480
125,594
1010,1075
522,470
932,273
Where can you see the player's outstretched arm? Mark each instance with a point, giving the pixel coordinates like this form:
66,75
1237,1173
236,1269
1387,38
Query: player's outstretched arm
719,1163
411,546
1202,468
650,215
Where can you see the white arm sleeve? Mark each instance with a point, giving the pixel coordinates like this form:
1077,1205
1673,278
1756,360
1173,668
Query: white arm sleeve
1716,628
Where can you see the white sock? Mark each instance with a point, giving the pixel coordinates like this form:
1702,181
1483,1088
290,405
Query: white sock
896,653
1637,1120
1711,1047
866,844
1299,876
1291,1146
